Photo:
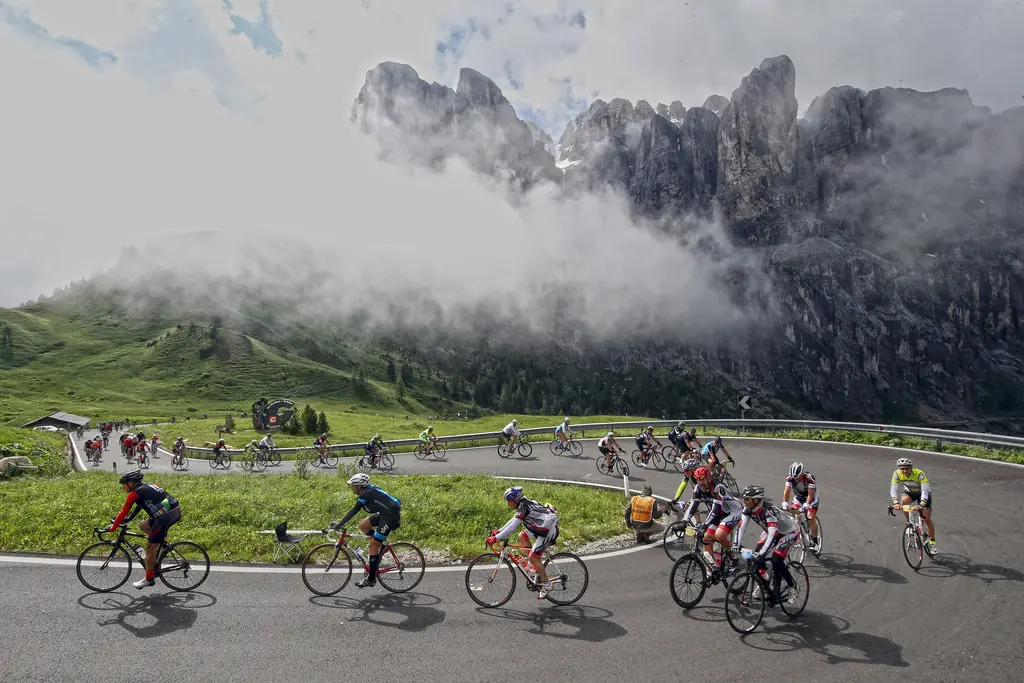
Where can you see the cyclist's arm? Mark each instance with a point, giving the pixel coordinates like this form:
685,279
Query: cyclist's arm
893,490
682,487
350,514
743,528
787,492
123,514
510,526
726,451
812,493
773,529
926,488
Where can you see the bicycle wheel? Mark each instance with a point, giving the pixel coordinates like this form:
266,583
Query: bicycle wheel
440,450
326,569
184,566
602,467
143,461
799,549
525,449
744,607
260,461
688,581
104,566
420,452
555,447
635,457
273,457
820,541
401,567
363,463
801,584
679,538
570,580
214,462
576,448
387,462
730,482
503,450
246,463
658,461
487,575
913,549
331,460
670,453
621,467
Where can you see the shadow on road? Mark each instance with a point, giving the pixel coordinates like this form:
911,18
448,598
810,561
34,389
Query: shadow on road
945,565
575,622
710,609
828,565
411,612
830,637
148,616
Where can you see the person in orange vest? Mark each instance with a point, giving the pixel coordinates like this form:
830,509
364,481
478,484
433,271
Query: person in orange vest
641,513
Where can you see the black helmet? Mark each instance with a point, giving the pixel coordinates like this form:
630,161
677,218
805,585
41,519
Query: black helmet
754,492
133,476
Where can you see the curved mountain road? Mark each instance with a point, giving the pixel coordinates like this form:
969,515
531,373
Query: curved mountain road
869,615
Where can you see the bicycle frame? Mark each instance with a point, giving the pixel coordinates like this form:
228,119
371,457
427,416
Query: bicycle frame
341,541
514,554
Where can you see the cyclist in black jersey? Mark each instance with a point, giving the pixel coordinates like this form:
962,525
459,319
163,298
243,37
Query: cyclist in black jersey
385,516
163,510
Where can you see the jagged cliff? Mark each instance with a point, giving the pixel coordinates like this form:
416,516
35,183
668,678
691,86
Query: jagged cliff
889,222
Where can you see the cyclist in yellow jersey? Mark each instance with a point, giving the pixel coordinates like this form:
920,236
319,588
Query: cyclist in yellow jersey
916,490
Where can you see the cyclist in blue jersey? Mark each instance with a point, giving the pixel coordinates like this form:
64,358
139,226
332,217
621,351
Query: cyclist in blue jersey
385,516
710,452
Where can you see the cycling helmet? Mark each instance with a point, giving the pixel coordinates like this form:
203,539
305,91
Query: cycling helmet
679,424
360,479
611,434
566,420
646,490
720,490
650,429
133,476
693,432
324,435
515,422
376,436
430,428
701,473
268,433
718,441
904,462
220,442
513,492
755,492
691,464
796,469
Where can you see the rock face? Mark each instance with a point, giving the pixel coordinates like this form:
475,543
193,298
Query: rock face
889,222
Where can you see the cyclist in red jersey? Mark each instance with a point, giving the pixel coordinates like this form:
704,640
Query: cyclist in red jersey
163,510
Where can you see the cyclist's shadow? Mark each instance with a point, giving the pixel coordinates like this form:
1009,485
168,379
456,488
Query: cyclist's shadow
408,611
828,636
149,616
573,622
945,565
828,565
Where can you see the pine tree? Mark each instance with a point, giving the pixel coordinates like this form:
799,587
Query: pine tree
322,426
308,420
391,370
406,373
400,389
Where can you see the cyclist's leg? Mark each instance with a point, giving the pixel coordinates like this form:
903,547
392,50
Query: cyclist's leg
906,499
539,544
778,553
155,529
926,516
812,517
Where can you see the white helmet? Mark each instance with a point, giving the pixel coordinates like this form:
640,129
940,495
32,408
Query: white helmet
360,479
515,422
566,421
611,434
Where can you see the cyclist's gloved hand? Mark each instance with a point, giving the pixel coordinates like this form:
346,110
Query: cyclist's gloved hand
746,553
334,526
492,539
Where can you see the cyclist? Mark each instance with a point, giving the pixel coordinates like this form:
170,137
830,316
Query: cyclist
385,516
510,433
641,511
725,513
916,489
219,448
153,441
801,487
780,533
608,445
373,448
179,446
643,442
675,436
689,469
320,443
541,527
710,452
163,510
428,439
562,432
267,442
106,437
690,440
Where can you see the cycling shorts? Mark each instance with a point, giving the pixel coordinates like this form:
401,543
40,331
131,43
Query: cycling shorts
782,543
370,449
383,524
803,499
730,522
158,526
915,497
641,443
605,450
542,542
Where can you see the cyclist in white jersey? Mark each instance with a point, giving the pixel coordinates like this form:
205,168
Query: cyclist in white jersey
608,445
511,434
541,527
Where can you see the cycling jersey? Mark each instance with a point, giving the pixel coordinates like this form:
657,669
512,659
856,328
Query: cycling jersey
606,443
267,442
510,430
802,486
772,520
148,497
915,483
562,429
709,449
373,500
538,519
675,434
425,435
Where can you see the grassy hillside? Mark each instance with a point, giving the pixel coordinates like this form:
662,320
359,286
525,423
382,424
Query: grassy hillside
106,365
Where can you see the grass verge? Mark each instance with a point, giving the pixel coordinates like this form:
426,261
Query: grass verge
450,515
44,449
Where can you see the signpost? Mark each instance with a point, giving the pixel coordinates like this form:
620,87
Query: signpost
744,407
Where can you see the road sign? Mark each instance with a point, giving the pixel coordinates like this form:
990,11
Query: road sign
745,403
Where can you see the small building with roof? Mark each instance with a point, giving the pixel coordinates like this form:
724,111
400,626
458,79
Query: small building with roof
61,420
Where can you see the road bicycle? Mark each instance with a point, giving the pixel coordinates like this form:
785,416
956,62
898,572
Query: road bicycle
522,446
253,459
571,446
805,540
749,591
653,457
684,535
381,460
270,455
682,457
221,461
618,464
567,575
915,536
721,475
692,575
105,566
431,448
94,455
318,459
327,567
179,463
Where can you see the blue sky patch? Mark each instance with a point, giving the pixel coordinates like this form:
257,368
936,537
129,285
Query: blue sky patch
260,33
22,22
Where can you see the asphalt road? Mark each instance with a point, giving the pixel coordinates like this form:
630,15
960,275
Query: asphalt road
869,616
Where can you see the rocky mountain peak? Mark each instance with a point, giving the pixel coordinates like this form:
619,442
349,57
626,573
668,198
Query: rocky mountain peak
716,103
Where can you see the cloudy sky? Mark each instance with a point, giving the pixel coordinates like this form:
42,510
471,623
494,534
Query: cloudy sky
127,120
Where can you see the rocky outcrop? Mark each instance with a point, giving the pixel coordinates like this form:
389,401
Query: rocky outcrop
889,224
